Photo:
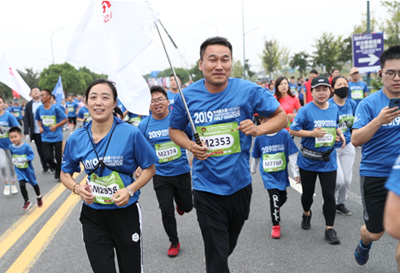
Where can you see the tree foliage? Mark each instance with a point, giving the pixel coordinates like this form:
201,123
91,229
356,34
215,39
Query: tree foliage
249,72
299,61
327,51
30,76
237,69
271,57
392,24
195,72
182,72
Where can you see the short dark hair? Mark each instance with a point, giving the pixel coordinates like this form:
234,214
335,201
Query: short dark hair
333,70
157,88
392,53
100,81
46,90
314,71
335,79
15,129
214,41
172,75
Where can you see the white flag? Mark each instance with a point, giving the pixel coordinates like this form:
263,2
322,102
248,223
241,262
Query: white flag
109,37
10,77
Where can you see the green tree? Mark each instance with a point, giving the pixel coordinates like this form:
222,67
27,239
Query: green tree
247,69
327,52
346,50
182,72
71,78
88,76
195,72
5,91
271,56
392,24
237,69
362,28
30,77
299,61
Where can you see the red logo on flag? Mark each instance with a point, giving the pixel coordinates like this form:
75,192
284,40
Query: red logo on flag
11,72
107,14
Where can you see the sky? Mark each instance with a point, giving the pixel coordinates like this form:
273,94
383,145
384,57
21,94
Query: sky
30,29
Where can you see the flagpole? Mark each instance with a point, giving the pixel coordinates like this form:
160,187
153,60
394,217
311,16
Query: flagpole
195,134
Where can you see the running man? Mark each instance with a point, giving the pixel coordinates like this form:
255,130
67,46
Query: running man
222,109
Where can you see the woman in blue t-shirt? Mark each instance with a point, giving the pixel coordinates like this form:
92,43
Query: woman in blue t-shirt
110,150
317,124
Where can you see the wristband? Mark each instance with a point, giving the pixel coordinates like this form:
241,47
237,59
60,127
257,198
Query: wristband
73,189
130,192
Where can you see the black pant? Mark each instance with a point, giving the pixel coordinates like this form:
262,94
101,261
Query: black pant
276,200
328,184
221,219
39,147
24,192
51,151
104,230
167,189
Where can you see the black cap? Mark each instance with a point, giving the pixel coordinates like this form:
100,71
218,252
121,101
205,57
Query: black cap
320,80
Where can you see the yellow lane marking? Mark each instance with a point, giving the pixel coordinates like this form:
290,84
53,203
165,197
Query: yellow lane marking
8,239
35,248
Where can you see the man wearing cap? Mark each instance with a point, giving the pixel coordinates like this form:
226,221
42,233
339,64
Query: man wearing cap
357,88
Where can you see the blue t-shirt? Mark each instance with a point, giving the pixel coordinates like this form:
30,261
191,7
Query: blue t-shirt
120,105
72,107
172,158
22,157
308,118
346,119
17,112
50,117
84,113
216,117
7,120
380,152
357,90
274,151
127,150
293,89
301,87
392,183
171,98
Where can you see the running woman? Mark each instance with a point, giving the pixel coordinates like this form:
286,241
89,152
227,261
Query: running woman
317,125
344,157
110,150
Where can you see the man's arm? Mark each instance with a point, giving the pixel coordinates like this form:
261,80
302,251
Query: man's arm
182,140
276,122
391,218
363,135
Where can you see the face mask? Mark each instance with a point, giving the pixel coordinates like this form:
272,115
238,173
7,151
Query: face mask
342,92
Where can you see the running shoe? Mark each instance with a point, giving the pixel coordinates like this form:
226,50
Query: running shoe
39,202
26,206
180,212
14,189
361,254
331,236
341,208
7,190
173,250
276,232
306,222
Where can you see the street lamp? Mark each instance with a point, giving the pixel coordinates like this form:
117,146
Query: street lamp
51,42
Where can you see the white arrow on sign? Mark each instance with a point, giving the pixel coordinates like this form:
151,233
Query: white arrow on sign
371,59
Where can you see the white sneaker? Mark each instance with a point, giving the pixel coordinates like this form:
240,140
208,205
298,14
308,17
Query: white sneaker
7,189
14,189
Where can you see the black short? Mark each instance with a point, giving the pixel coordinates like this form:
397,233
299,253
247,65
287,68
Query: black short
374,195
72,120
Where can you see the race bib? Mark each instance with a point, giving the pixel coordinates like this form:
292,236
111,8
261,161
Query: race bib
20,161
87,117
346,122
70,109
4,131
49,120
167,151
220,139
103,188
135,121
328,139
357,94
274,162
17,114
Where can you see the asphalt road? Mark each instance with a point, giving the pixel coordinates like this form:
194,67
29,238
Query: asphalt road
53,243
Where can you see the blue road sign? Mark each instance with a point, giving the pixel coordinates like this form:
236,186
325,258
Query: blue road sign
367,48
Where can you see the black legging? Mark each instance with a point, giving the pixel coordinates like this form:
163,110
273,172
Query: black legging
276,200
328,184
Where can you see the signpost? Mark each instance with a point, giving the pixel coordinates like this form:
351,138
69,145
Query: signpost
367,48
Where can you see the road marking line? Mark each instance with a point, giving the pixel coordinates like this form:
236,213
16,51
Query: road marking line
35,248
8,239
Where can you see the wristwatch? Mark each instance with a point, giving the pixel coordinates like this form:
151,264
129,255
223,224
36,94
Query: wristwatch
130,192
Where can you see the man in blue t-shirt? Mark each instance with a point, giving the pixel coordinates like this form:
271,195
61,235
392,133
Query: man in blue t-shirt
358,89
377,129
50,119
392,207
172,180
72,109
174,90
222,109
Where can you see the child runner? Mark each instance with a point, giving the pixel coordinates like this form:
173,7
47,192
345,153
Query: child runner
22,156
276,150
